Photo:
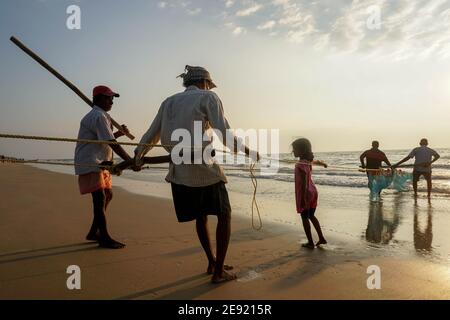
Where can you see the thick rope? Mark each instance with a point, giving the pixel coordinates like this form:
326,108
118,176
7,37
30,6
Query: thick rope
107,167
111,168
254,206
254,203
86,165
335,166
42,138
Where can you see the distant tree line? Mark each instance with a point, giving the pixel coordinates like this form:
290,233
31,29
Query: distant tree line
5,159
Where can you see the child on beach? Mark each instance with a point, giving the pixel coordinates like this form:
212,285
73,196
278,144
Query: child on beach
306,194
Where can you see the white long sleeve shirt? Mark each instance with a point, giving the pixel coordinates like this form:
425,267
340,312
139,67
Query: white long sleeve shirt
179,112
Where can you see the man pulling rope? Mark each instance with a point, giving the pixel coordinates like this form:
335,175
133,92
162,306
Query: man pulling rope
198,189
96,125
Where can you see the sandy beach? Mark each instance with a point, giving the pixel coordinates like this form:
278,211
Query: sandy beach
44,221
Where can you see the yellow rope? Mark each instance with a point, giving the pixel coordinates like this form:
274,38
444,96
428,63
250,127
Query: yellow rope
61,163
329,166
111,168
43,138
254,203
251,169
359,169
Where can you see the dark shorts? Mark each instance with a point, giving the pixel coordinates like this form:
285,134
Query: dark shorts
308,213
195,202
417,174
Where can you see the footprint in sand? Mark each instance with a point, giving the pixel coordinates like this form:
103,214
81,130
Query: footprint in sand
249,276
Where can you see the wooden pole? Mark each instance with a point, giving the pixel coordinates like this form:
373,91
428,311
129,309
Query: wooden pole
65,81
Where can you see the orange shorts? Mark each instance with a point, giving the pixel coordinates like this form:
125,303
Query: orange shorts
94,181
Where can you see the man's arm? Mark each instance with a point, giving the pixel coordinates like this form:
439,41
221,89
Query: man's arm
104,132
216,118
152,136
387,161
250,153
402,161
436,156
361,158
120,151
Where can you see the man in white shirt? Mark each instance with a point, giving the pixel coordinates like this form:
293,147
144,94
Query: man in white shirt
198,189
424,157
96,125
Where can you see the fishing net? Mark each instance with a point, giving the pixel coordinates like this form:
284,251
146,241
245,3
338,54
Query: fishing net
385,178
400,180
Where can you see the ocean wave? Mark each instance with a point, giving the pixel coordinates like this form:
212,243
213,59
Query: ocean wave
348,181
441,166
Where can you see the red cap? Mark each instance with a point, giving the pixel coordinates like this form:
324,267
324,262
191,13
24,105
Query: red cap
104,90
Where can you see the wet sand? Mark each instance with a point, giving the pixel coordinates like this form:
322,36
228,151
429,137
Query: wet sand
44,221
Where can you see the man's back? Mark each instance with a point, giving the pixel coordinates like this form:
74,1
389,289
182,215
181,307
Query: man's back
374,158
183,109
422,154
180,111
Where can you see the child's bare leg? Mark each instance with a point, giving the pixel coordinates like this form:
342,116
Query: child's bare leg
316,225
307,228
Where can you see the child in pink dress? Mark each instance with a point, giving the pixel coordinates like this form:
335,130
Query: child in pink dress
306,194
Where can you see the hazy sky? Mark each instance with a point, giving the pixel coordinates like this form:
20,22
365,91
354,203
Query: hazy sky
308,68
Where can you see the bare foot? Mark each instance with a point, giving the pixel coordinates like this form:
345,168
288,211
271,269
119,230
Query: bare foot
308,245
210,269
321,241
226,276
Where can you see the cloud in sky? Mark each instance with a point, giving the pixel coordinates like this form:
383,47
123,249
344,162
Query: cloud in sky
162,4
249,11
229,3
238,30
235,30
408,28
194,12
267,25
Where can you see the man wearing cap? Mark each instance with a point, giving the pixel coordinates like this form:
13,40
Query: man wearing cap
96,125
422,165
198,189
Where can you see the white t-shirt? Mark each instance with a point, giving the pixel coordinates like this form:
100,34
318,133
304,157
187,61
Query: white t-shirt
96,125
422,154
